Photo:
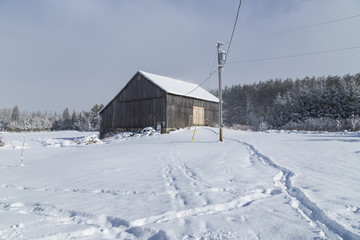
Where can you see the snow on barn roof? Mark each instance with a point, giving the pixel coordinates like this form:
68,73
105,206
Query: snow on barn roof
178,87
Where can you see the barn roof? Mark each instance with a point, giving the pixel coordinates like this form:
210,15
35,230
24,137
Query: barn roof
178,87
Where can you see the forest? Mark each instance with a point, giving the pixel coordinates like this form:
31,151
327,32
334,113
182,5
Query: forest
314,104
16,121
318,104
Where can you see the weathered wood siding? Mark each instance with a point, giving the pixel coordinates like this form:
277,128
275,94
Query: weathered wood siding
143,104
179,111
139,104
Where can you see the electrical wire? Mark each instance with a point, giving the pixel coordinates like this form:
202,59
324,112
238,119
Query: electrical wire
232,35
233,31
213,63
296,29
207,79
272,34
295,55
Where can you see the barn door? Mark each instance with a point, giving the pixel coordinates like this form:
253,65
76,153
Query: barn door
198,116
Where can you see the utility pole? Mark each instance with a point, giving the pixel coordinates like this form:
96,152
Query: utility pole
221,60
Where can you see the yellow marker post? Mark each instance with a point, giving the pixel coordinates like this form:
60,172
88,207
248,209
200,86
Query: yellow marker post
193,134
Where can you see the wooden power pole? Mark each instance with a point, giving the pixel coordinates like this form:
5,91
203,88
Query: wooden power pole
221,59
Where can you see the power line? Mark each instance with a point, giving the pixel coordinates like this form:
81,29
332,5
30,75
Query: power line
296,29
207,79
232,35
272,34
213,63
295,55
233,31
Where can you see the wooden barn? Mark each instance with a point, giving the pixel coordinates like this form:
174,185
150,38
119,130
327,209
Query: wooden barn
150,100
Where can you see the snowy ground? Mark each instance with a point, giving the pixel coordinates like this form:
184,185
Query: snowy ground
274,185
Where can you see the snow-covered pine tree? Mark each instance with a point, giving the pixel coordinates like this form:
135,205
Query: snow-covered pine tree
16,124
66,120
95,117
15,116
5,117
1,142
84,123
74,121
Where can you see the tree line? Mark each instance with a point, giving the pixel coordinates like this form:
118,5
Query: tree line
320,104
14,120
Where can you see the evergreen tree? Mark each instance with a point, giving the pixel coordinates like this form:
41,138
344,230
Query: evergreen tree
13,120
74,124
66,120
324,103
1,142
66,114
95,117
15,116
84,123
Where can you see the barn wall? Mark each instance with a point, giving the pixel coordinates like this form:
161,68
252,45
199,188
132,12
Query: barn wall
139,104
179,111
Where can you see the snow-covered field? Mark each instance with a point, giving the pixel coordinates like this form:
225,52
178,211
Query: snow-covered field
254,185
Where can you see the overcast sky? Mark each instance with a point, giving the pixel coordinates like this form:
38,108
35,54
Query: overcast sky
64,53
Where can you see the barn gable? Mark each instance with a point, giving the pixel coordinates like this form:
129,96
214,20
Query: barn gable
178,87
138,88
149,99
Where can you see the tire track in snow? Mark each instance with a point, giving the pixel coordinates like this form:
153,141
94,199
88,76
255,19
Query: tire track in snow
190,174
96,191
118,228
178,175
174,172
173,168
170,182
195,181
62,215
170,177
99,226
12,232
200,186
104,191
79,190
300,201
227,169
205,210
50,213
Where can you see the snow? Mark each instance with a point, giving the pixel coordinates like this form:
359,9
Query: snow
254,185
178,87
